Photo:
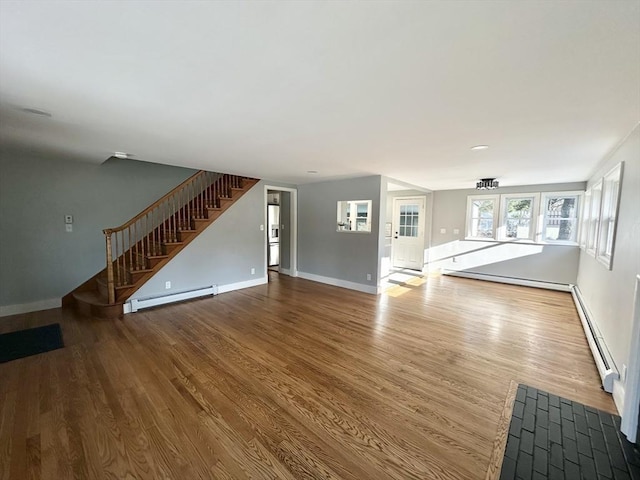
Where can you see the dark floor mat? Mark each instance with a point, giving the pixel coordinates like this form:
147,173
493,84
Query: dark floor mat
24,343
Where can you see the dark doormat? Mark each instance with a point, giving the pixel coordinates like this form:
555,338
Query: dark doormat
24,343
552,437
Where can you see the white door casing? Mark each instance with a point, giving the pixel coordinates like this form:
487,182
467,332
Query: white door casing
407,243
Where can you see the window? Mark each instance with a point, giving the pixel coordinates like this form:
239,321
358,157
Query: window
409,217
482,211
354,216
523,216
560,217
609,211
586,213
594,218
518,216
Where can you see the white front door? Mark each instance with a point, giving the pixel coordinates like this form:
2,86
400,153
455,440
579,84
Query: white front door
407,245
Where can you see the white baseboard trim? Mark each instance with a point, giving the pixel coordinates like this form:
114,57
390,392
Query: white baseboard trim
240,285
336,282
562,287
285,271
7,310
618,395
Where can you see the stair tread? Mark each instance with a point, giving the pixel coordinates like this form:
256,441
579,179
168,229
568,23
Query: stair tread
156,256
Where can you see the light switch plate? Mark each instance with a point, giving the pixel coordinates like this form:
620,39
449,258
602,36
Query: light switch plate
68,219
68,227
443,231
456,231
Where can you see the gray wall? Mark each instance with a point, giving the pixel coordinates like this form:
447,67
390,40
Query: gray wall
609,294
547,263
223,254
38,259
338,255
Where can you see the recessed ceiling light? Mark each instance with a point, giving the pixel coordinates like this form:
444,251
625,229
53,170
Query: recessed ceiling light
36,111
122,155
480,147
312,172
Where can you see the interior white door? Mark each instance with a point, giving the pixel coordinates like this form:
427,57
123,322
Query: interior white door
407,244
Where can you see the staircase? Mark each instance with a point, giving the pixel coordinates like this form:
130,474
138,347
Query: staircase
138,249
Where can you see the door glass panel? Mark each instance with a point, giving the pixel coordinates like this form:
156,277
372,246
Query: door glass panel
409,218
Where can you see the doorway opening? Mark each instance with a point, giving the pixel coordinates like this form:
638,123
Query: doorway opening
280,230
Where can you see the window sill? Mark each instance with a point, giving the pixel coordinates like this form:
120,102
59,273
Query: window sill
521,241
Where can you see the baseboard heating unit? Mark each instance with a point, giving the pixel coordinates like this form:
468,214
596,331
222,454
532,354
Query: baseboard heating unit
140,303
604,361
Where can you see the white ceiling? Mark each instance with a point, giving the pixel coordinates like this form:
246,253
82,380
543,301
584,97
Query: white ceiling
274,89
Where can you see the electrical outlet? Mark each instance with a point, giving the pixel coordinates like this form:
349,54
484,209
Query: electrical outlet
68,219
262,228
167,285
456,231
454,259
253,271
368,276
443,231
68,227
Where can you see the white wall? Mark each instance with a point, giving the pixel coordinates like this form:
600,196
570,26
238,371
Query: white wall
527,261
609,294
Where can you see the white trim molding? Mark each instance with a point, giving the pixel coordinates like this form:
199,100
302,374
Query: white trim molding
336,282
523,282
47,304
230,287
631,392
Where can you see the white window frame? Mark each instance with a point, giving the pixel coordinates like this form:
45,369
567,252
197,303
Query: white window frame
594,218
502,227
543,217
610,202
584,218
496,215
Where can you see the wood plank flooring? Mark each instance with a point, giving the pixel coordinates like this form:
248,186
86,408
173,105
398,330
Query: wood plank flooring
290,380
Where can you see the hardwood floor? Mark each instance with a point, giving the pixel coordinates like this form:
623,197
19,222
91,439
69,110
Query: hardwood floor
293,379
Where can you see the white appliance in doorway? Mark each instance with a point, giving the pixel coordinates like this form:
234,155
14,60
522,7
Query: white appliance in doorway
407,241
273,235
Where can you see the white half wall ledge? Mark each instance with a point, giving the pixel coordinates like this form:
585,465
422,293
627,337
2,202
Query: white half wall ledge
47,304
523,282
336,282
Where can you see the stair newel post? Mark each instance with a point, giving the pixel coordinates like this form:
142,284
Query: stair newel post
111,291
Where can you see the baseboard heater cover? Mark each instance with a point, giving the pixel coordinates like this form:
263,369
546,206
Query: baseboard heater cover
140,303
523,282
603,359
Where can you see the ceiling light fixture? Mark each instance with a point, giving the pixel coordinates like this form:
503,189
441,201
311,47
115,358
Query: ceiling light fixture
312,172
487,184
122,155
480,147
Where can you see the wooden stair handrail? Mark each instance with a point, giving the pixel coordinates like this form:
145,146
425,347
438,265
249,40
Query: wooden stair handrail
151,232
155,204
